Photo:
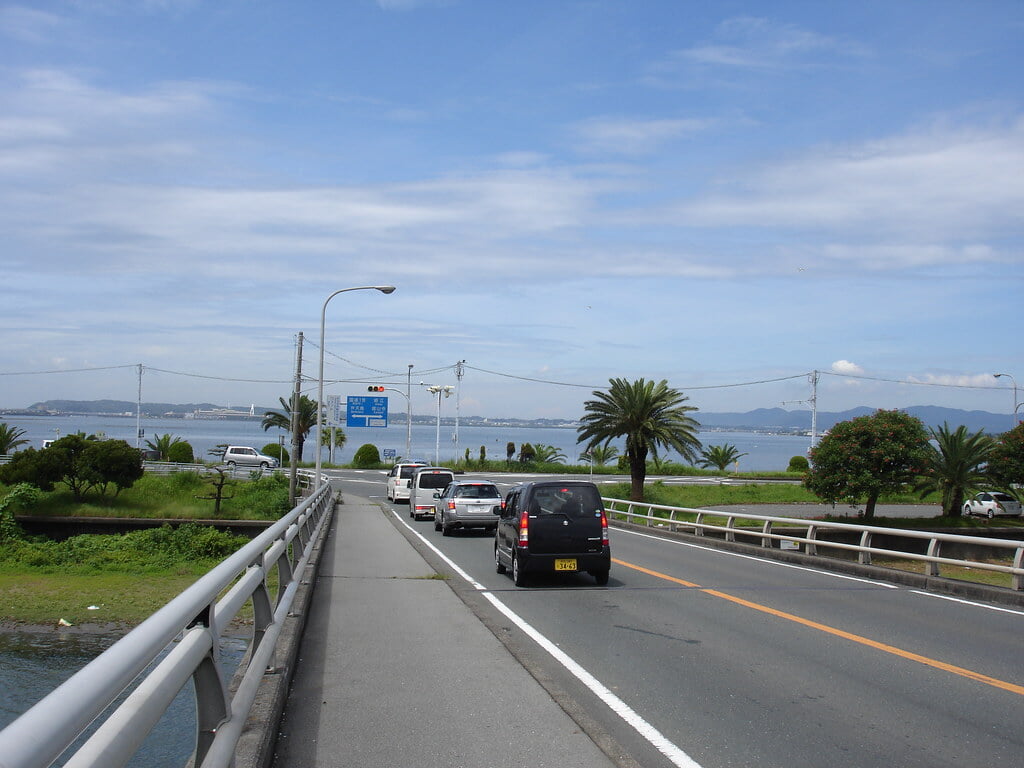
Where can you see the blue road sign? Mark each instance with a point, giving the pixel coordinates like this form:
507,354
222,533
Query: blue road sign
367,412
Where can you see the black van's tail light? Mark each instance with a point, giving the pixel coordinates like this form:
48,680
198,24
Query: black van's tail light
524,529
604,529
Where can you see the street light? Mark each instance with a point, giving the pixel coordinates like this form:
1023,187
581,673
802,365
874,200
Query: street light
320,377
439,389
1016,405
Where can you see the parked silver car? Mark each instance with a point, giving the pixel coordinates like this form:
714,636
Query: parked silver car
244,456
992,503
467,504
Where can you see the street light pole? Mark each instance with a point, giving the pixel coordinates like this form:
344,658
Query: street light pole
320,377
1016,405
439,389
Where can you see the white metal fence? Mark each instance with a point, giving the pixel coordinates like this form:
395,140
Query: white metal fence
189,628
808,536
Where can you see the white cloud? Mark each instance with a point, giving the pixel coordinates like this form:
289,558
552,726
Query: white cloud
28,24
982,380
927,185
847,368
634,136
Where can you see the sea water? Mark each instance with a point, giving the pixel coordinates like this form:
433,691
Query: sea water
762,451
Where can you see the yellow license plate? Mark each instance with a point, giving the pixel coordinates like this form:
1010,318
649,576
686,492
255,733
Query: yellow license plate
565,564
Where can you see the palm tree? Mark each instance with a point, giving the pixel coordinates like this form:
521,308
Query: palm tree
720,456
162,444
340,438
547,454
282,419
10,438
600,454
954,466
649,416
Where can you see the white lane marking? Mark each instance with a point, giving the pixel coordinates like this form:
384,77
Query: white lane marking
677,756
968,602
475,584
763,561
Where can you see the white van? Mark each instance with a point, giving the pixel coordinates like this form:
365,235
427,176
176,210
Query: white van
398,479
424,483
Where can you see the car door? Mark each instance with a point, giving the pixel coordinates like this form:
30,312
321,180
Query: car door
507,533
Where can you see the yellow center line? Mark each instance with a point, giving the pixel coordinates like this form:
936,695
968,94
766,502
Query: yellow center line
952,668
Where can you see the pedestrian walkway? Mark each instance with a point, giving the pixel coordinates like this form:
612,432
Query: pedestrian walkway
395,670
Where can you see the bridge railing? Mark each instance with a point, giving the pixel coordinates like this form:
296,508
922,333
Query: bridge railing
177,643
808,536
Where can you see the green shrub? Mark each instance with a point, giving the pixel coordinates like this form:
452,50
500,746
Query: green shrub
181,453
266,497
798,464
367,457
278,451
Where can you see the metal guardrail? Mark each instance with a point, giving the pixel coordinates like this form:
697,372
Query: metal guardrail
707,520
189,628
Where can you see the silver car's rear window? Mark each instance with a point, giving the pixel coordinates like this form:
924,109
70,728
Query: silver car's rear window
477,492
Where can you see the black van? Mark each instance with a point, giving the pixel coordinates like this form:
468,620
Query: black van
552,527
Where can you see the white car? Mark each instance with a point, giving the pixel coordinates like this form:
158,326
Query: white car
992,504
398,480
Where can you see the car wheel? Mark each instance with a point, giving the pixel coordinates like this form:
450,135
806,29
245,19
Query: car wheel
437,524
264,466
967,510
601,577
498,567
412,513
446,530
231,466
518,575
990,513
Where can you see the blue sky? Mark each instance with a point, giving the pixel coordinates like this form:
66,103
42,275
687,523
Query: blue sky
562,192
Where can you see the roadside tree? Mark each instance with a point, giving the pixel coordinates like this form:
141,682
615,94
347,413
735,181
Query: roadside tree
600,454
720,456
547,454
282,419
163,445
340,438
955,466
10,438
1006,461
860,459
648,415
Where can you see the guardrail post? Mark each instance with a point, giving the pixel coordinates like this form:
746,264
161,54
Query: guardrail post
766,531
863,556
812,534
1018,563
932,568
730,530
699,530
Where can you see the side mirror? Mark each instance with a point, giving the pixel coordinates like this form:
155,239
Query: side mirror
437,494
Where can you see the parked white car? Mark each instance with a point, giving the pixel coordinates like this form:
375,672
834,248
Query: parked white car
992,504
244,456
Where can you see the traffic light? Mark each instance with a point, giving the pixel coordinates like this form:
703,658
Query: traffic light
375,388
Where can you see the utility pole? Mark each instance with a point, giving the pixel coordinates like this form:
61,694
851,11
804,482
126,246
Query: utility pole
408,414
458,392
138,412
813,402
296,396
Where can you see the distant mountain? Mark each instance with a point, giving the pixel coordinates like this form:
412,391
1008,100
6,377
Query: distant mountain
760,419
126,406
778,419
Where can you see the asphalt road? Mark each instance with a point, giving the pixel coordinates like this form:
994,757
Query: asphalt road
735,661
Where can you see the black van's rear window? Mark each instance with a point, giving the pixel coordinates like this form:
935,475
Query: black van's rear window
569,500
